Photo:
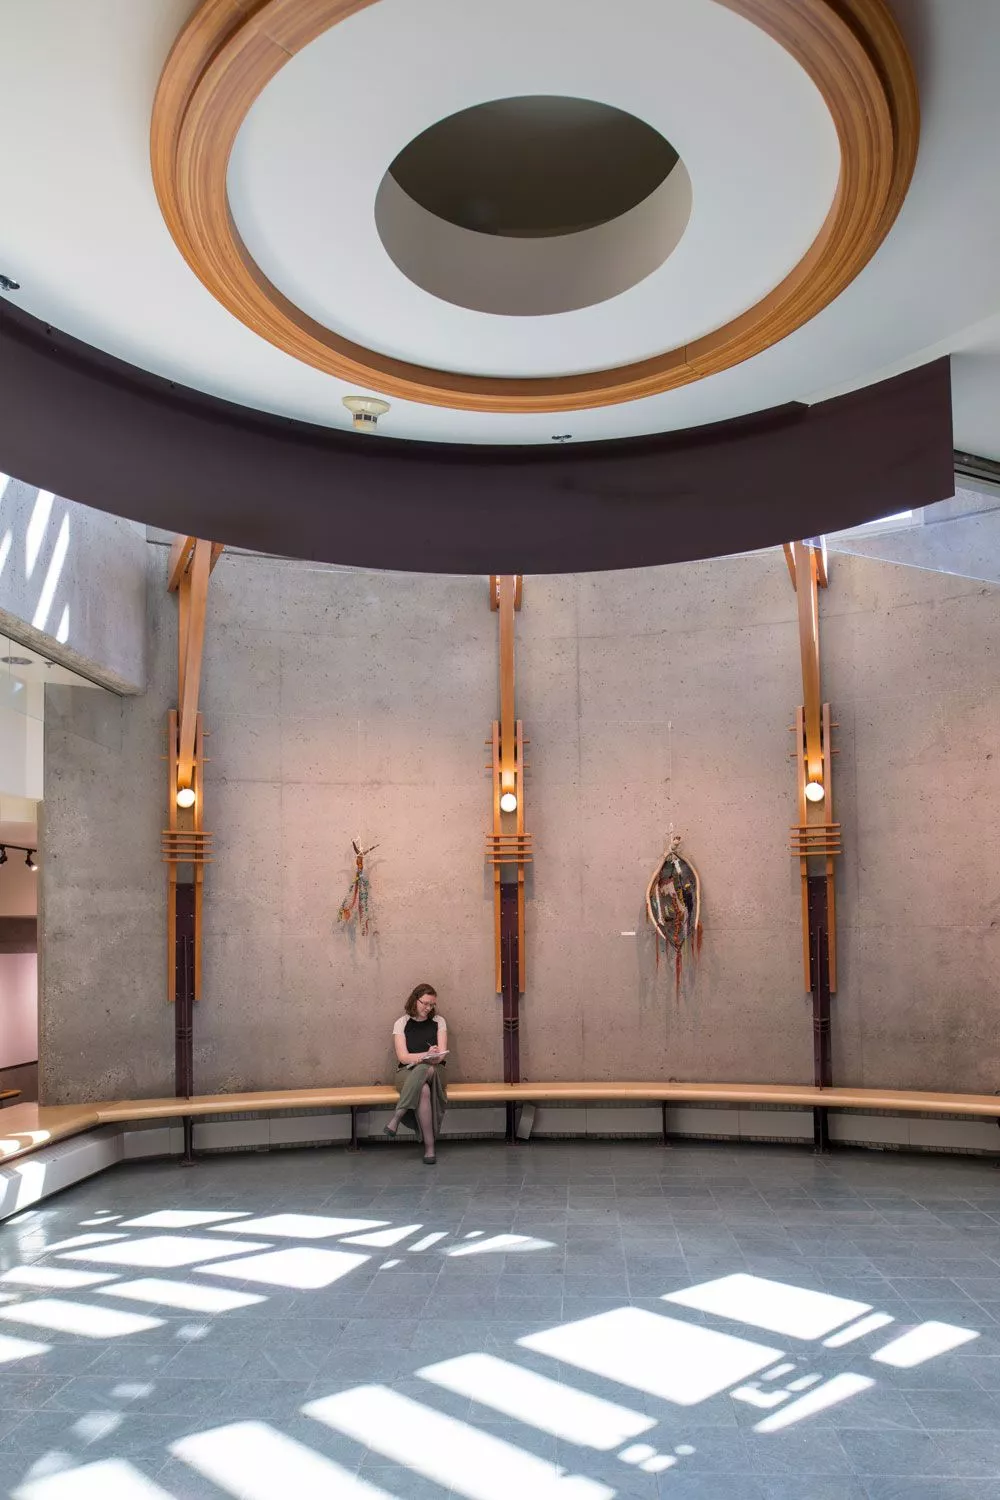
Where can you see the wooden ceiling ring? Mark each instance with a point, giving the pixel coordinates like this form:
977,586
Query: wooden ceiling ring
230,50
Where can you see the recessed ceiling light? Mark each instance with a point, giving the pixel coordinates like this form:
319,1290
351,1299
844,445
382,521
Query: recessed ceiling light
16,661
9,285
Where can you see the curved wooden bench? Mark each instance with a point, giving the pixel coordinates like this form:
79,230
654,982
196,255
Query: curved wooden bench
28,1127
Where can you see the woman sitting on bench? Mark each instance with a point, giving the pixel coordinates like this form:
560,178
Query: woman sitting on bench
420,1038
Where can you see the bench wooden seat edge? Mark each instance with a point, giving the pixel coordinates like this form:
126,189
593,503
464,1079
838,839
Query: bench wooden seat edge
28,1127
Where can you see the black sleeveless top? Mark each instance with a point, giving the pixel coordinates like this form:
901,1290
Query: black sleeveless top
421,1036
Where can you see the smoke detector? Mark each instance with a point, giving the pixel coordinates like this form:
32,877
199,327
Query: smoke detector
366,411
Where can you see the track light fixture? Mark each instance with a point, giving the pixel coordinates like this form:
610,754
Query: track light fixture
29,855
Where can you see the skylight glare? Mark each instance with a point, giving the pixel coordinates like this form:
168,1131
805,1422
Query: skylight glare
303,1226
81,1239
923,1343
79,1317
383,1238
858,1330
299,1269
255,1462
821,1398
449,1452
680,1362
181,1218
555,1408
111,1479
165,1250
182,1294
502,1244
54,1277
12,1349
794,1311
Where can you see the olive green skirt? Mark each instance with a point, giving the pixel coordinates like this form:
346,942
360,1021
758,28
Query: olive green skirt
409,1081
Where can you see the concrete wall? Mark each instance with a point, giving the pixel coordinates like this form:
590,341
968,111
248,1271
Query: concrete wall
344,704
912,666
72,584
960,536
340,705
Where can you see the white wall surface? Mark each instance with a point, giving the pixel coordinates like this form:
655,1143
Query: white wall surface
18,1008
21,753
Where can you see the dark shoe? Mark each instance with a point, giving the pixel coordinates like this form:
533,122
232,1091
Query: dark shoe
430,1161
388,1130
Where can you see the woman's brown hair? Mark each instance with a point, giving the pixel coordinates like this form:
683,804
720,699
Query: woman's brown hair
418,994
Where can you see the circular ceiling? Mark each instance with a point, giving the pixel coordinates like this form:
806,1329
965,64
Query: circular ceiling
538,165
82,232
852,82
760,199
534,205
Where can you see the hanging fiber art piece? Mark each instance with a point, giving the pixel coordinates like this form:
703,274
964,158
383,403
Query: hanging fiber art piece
673,905
357,902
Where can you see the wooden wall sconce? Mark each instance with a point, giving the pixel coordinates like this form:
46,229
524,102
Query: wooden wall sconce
815,837
508,847
187,847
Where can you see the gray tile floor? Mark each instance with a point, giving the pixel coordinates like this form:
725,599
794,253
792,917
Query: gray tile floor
316,1324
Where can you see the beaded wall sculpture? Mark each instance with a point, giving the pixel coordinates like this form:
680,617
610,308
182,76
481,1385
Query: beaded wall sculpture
357,903
673,905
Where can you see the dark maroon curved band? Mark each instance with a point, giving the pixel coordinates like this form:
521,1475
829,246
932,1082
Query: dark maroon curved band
93,429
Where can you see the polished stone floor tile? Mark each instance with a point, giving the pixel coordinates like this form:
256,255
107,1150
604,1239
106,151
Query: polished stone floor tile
742,1400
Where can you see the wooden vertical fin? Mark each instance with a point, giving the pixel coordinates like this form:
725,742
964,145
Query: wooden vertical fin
497,832
194,600
806,593
800,741
186,843
199,867
521,956
790,560
831,892
180,559
508,749
171,866
508,847
816,836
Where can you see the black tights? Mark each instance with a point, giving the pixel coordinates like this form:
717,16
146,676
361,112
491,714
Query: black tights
425,1114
